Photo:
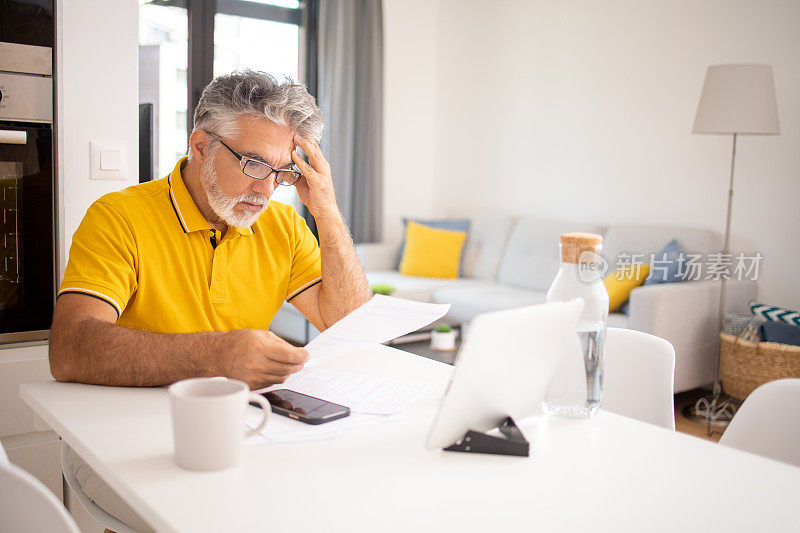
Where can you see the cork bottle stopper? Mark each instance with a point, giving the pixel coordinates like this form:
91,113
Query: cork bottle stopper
574,244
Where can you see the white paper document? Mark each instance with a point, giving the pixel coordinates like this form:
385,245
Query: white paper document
362,394
371,400
381,319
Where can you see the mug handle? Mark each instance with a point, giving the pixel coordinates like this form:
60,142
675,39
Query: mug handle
265,408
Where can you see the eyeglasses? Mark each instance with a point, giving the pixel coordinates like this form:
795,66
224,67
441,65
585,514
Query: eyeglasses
261,171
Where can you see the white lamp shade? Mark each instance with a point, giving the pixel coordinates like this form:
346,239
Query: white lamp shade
738,99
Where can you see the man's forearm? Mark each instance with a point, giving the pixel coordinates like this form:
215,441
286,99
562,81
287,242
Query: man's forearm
94,351
344,285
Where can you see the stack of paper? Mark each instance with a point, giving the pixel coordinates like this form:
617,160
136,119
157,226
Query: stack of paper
362,394
283,429
371,401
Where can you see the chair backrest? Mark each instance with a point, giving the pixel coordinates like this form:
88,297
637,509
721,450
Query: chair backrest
27,505
639,377
768,422
111,523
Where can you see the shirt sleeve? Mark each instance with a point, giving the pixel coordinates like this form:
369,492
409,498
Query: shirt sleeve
306,264
102,258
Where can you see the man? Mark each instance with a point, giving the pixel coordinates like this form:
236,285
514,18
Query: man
181,277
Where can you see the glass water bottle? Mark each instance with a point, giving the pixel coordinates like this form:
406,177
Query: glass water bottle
580,276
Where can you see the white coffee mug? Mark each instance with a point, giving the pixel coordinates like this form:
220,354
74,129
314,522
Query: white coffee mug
208,421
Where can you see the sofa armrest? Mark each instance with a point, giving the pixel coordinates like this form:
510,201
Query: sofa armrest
686,314
377,255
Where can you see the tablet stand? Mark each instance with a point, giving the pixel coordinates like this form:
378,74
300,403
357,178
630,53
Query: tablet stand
514,442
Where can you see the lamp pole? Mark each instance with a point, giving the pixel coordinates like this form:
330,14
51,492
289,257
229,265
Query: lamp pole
725,250
735,99
717,389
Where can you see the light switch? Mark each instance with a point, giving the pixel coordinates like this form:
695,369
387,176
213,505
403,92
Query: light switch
107,160
110,159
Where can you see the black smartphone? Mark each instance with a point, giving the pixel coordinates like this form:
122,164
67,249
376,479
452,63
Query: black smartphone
303,407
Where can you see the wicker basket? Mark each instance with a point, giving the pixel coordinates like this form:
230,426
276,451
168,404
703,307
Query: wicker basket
746,365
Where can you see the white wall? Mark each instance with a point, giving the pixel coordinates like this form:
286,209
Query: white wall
97,88
409,111
583,109
97,94
576,109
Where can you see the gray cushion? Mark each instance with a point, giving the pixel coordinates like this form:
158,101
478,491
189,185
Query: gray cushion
484,249
531,259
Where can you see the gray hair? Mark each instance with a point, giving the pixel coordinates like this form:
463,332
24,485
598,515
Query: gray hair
257,94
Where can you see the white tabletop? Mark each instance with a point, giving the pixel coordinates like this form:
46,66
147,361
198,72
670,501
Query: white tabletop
607,474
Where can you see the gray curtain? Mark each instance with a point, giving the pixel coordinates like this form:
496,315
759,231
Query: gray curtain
350,95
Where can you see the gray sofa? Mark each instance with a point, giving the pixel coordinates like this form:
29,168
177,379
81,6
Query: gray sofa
511,262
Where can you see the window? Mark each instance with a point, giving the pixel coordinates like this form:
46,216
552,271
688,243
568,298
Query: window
163,62
177,60
259,36
266,45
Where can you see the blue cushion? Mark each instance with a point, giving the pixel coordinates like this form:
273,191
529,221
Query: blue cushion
666,267
453,225
778,332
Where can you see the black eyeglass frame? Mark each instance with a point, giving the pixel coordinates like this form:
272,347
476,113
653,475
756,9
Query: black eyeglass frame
244,161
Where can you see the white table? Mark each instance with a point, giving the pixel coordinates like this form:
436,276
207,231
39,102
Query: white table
608,474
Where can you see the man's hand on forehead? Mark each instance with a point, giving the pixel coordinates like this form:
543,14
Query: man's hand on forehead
315,188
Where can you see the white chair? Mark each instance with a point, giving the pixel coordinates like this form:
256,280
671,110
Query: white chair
27,505
768,422
639,377
106,520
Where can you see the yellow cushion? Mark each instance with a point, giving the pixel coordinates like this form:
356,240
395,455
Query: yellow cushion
431,252
620,283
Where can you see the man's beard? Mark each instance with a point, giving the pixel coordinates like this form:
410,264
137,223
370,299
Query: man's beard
223,205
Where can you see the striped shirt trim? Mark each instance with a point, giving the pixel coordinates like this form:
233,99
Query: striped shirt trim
175,207
304,287
94,294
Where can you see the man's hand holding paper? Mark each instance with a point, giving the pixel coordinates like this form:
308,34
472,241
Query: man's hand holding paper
380,320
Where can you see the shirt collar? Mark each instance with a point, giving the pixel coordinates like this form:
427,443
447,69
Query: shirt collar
189,216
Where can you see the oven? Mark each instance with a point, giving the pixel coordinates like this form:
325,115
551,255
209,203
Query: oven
27,189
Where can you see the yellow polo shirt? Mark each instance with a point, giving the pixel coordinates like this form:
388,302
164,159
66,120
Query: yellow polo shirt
148,252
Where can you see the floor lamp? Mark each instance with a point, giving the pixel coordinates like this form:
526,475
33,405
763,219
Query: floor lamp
736,100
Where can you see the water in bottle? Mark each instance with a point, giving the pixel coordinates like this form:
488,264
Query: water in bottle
577,387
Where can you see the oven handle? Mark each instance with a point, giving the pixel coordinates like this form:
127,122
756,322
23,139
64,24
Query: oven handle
13,137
